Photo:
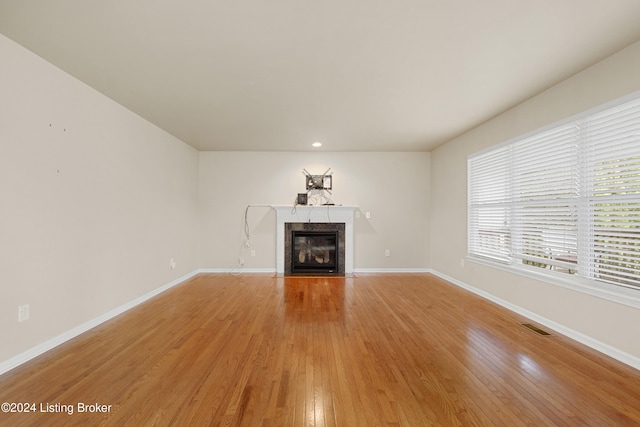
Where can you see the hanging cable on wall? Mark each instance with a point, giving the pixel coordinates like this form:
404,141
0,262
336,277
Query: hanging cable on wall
247,233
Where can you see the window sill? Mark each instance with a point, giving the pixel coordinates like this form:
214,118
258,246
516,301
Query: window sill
618,294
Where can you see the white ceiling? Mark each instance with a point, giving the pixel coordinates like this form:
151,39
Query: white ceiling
358,75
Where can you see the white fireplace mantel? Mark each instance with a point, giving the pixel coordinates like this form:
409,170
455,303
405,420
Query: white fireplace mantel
305,213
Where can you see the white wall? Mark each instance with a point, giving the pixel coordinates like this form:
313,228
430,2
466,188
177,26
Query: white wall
394,187
608,323
94,201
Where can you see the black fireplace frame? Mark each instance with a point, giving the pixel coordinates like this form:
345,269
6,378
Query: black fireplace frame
303,268
322,227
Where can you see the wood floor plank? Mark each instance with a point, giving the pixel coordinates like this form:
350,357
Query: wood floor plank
372,350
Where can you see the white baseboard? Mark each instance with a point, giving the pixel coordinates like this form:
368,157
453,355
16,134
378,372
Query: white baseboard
39,349
613,352
390,270
238,270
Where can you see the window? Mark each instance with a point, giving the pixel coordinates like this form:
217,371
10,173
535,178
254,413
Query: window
565,200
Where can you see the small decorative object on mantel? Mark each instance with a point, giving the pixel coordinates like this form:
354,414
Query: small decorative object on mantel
318,186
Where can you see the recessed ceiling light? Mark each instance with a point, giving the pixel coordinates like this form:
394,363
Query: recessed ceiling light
317,144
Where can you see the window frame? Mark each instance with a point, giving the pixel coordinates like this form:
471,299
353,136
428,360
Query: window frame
628,295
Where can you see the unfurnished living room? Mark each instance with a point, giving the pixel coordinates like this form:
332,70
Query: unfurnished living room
296,213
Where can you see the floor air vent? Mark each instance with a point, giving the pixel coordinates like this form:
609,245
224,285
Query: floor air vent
535,329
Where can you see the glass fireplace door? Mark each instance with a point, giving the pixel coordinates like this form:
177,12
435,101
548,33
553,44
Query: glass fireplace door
314,251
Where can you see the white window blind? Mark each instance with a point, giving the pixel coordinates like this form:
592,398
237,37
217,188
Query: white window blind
489,232
566,199
612,140
545,198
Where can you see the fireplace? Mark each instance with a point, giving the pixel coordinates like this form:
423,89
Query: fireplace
314,252
314,249
315,218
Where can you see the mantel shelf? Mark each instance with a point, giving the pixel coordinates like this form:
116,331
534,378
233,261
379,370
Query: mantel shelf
352,208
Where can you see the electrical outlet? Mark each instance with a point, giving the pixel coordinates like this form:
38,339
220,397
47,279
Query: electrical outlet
253,252
241,261
368,215
387,252
23,313
172,264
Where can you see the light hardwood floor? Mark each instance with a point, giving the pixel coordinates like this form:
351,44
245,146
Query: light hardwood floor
256,350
